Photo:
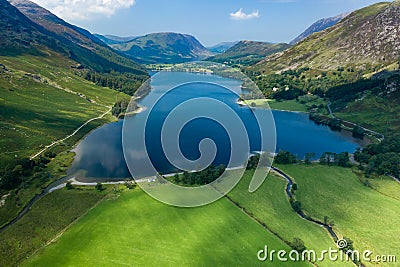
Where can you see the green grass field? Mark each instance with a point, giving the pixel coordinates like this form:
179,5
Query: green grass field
47,218
366,215
135,229
304,104
271,205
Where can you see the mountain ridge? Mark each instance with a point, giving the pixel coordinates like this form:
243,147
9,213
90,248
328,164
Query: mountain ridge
163,47
221,47
79,44
248,52
367,40
318,26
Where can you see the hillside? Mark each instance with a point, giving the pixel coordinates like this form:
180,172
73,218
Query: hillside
221,47
366,40
318,26
77,43
248,52
46,101
163,48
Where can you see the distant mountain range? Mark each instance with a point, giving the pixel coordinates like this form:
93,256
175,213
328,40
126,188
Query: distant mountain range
156,48
26,27
112,39
318,26
248,52
366,40
221,47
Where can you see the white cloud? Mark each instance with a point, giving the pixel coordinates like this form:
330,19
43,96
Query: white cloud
84,9
240,15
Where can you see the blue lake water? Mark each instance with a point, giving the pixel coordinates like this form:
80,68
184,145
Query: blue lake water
100,154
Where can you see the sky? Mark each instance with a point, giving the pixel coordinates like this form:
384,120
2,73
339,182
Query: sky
210,21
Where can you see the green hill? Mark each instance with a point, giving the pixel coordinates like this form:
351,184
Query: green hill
77,43
164,47
248,52
366,40
47,100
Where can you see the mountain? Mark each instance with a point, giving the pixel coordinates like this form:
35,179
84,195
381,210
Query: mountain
79,44
112,39
166,47
318,26
221,47
366,40
248,52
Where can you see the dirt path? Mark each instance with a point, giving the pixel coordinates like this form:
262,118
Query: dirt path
69,136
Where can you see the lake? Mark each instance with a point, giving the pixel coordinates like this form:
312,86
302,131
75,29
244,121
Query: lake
100,155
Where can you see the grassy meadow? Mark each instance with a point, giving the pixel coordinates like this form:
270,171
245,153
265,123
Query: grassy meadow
135,229
270,205
304,104
42,100
47,218
369,216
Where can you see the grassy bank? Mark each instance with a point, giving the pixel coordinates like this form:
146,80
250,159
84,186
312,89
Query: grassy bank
302,104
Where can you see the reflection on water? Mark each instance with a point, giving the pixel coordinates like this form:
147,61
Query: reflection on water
100,154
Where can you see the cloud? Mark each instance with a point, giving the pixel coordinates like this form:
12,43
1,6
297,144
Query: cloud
240,15
84,9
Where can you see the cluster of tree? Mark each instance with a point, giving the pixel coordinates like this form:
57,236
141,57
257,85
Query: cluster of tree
120,107
291,93
358,132
206,176
302,80
285,157
125,82
382,158
330,158
13,177
298,244
349,92
334,123
252,163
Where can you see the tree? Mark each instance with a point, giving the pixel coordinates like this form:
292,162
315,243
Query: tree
328,221
343,159
296,205
99,187
285,157
298,244
308,157
358,132
293,188
69,185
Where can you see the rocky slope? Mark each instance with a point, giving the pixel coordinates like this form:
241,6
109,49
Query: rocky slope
318,26
79,43
366,40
